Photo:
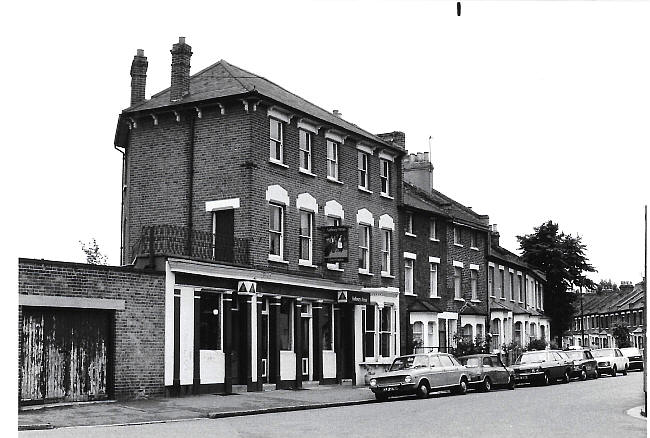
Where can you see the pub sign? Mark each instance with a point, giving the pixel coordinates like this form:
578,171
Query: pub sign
336,243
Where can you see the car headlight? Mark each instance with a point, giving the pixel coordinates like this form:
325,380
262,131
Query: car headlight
575,362
373,382
606,363
408,379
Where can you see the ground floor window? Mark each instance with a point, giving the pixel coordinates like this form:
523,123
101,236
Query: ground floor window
369,333
468,334
417,335
496,334
327,327
286,324
386,330
210,321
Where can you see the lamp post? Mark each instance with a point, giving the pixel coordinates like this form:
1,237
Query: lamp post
582,319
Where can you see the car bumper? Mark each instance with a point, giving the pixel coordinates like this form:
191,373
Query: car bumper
604,369
396,389
636,365
529,376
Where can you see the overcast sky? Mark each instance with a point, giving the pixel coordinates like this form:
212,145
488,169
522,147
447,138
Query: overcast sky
538,110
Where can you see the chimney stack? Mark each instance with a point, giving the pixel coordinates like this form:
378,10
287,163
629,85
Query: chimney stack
418,170
494,236
337,113
396,137
181,54
138,77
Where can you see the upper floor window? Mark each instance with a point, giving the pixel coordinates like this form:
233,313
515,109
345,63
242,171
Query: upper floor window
474,283
491,280
332,159
502,283
276,231
473,236
305,150
276,141
408,276
408,225
433,229
385,251
457,235
433,280
520,288
364,248
457,282
385,175
512,286
306,230
362,166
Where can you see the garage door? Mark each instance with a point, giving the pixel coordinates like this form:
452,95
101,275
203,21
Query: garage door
64,355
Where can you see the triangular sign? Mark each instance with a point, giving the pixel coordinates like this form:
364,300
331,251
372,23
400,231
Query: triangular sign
252,288
242,287
343,297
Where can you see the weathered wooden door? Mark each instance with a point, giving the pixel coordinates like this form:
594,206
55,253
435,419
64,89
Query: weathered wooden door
64,355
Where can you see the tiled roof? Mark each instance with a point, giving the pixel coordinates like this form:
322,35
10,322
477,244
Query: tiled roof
223,79
610,302
420,305
443,205
470,308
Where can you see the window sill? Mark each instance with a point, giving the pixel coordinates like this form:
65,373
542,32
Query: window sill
363,189
475,301
386,195
278,163
333,267
436,297
410,234
502,298
459,299
306,263
474,248
334,180
386,275
458,245
410,294
364,272
434,239
306,172
277,259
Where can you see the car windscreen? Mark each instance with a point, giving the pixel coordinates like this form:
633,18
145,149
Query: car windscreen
574,355
630,351
471,362
603,353
409,362
532,357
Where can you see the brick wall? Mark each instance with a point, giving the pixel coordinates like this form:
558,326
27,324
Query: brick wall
139,329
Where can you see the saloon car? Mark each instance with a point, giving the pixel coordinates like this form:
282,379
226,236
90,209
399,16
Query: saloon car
634,356
486,370
542,367
611,361
420,374
584,364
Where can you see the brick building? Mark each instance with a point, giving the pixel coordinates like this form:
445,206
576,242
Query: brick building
445,247
273,222
89,332
602,312
516,291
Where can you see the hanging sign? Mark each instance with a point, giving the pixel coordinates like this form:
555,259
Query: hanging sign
336,243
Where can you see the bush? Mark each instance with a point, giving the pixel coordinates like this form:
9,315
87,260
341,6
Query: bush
622,336
537,344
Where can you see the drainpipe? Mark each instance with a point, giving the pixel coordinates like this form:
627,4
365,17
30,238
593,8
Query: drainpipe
190,224
488,253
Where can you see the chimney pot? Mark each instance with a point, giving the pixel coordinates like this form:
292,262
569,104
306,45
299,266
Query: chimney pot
181,40
337,113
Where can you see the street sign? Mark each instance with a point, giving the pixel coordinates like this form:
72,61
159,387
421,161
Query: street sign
353,297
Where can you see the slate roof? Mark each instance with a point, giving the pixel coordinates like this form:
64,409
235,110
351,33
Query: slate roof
610,302
419,305
443,205
223,79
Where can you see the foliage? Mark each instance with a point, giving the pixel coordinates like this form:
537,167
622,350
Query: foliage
622,336
537,344
93,254
463,347
562,259
604,285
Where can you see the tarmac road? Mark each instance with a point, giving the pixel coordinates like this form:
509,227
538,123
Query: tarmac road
578,409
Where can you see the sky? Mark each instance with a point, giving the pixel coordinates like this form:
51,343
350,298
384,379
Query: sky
538,110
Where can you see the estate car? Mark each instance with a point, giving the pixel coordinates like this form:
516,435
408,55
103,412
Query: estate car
542,367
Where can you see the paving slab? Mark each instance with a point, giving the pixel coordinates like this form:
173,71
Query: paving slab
188,407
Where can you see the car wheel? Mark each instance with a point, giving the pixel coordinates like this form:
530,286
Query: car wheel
512,383
566,378
381,397
423,390
583,374
596,374
625,371
487,384
613,373
461,389
545,380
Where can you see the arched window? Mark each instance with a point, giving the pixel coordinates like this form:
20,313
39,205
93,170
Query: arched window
518,332
496,333
417,334
468,333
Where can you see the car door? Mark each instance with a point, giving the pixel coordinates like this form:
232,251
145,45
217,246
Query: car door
450,372
620,359
501,375
556,364
437,372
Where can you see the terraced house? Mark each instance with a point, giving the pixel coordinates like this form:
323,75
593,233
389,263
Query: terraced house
600,313
274,222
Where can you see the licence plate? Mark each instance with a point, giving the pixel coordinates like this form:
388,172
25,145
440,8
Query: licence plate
389,388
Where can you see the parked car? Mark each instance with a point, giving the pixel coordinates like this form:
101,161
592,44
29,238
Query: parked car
542,367
634,357
611,361
584,364
486,370
420,374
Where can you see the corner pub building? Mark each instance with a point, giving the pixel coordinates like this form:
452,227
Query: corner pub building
274,223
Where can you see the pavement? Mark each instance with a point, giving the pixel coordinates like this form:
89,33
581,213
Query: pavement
162,410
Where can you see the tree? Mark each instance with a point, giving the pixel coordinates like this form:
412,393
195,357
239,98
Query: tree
562,259
622,336
93,254
604,285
